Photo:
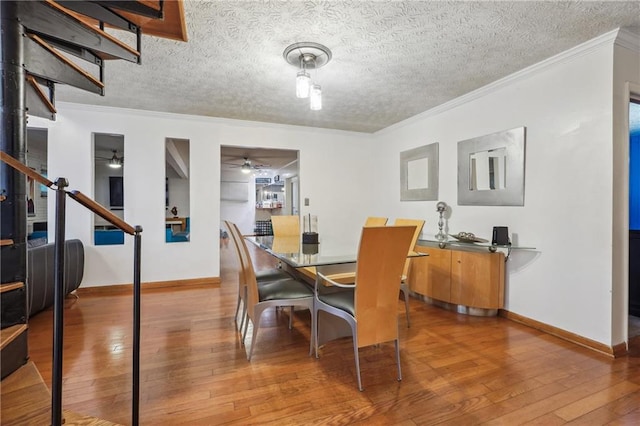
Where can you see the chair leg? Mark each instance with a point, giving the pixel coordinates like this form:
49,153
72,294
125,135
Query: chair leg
238,308
357,357
244,322
246,327
290,317
398,360
254,336
405,292
244,312
314,330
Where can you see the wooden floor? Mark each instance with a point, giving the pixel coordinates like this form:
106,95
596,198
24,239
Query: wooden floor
457,369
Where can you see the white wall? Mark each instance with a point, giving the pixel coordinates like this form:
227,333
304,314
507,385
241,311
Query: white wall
565,104
242,213
334,175
626,80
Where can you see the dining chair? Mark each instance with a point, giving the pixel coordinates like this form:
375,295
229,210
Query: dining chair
375,221
371,309
276,293
404,287
265,275
285,226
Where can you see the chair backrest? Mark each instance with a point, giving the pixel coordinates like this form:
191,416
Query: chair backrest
232,228
285,226
381,257
419,224
248,274
375,221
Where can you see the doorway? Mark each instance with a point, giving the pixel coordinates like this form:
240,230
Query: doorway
255,185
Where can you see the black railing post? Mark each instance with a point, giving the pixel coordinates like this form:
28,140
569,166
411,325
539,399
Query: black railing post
137,249
58,303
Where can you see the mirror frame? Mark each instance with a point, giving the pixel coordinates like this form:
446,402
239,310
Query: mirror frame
430,152
513,194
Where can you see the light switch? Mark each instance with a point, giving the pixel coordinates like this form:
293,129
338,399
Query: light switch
306,201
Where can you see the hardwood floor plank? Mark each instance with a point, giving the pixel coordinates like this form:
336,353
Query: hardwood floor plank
596,400
457,369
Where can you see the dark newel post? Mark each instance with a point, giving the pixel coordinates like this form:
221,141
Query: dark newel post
135,410
13,211
58,304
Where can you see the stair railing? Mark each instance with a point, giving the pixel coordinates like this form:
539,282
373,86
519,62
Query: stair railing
58,299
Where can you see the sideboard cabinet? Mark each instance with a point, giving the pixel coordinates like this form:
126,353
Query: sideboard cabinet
459,277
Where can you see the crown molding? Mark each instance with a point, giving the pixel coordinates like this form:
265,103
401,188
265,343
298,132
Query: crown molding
628,40
587,47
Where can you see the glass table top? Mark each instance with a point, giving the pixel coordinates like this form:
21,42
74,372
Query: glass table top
291,251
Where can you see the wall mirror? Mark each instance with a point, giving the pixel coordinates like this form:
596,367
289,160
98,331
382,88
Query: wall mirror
36,159
108,187
491,169
419,173
177,199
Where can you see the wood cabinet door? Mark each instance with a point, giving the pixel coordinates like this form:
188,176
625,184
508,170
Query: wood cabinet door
477,279
431,275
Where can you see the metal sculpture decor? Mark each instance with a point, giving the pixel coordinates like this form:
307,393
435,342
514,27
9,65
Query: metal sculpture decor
441,207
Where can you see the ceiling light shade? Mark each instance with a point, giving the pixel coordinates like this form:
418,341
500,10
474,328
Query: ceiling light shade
303,82
246,167
315,95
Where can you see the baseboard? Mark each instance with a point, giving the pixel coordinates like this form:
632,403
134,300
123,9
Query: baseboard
208,282
612,351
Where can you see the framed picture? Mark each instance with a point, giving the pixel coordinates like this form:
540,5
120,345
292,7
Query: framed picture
419,173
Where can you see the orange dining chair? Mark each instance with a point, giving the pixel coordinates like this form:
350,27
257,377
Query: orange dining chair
265,275
277,293
285,226
375,221
371,309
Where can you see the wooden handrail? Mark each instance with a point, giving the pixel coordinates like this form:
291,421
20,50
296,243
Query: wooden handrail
101,211
25,169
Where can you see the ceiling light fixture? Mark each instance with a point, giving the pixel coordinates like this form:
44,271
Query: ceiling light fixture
307,56
115,162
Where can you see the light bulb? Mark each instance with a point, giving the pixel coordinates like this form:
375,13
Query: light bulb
316,97
303,80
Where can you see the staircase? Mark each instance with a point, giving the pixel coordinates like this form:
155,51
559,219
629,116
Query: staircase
38,40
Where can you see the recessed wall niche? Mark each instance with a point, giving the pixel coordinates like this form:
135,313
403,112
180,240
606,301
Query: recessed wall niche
108,186
177,198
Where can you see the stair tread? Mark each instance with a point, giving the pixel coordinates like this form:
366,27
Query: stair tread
25,398
7,335
11,286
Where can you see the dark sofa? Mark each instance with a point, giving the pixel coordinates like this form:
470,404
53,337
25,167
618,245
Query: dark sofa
41,274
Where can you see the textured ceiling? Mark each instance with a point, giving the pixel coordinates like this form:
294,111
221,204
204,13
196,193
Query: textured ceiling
391,59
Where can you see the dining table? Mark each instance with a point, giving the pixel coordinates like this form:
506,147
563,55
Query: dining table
328,259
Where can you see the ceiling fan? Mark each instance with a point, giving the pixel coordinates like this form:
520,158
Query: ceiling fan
114,161
248,167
